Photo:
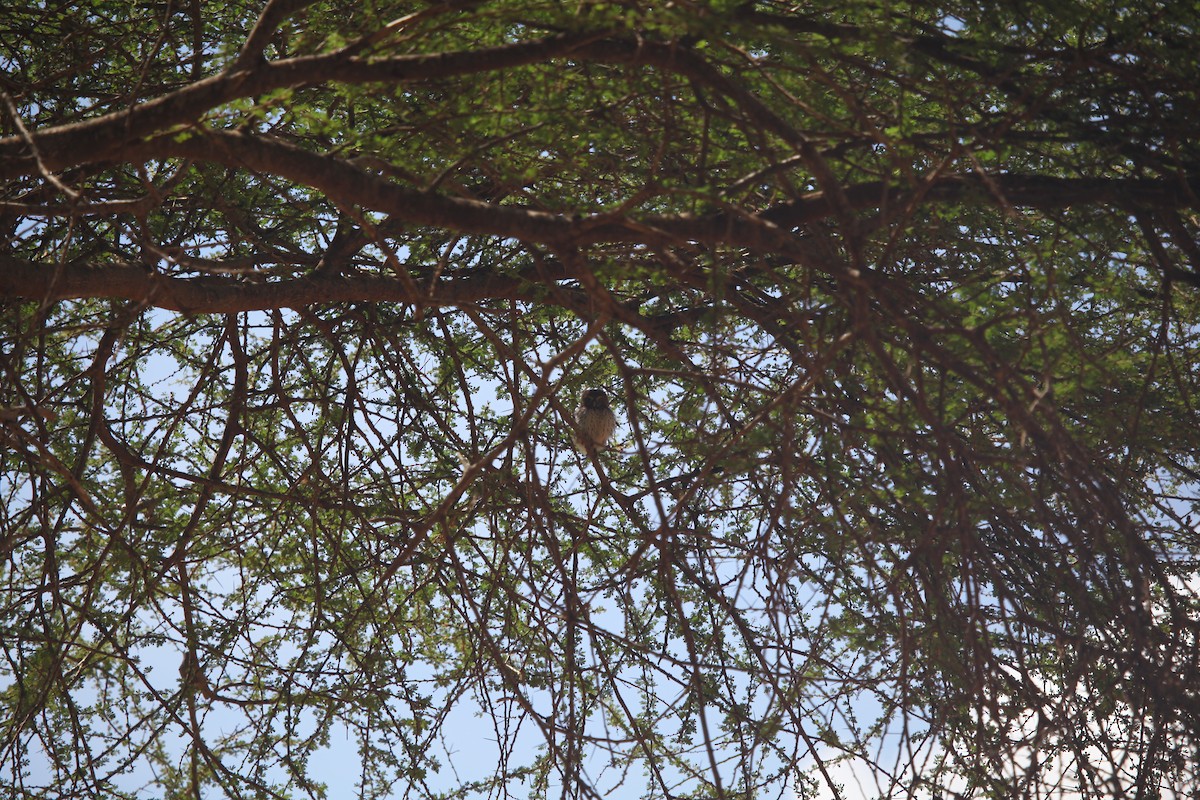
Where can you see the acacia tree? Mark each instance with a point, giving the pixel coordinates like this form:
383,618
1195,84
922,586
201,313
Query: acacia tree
897,305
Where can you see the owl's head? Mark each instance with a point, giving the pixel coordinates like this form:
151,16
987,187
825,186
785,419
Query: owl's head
594,398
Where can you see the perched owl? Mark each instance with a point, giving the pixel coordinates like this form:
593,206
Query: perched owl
595,421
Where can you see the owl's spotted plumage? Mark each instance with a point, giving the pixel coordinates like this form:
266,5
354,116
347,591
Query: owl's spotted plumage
594,420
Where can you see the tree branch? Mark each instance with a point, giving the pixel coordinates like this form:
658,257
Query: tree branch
203,295
268,22
107,136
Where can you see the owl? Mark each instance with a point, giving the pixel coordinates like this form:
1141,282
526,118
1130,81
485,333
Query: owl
594,420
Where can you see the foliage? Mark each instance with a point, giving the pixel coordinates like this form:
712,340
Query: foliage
897,304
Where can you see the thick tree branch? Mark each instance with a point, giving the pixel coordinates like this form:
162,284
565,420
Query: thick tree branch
222,295
350,185
347,184
1020,190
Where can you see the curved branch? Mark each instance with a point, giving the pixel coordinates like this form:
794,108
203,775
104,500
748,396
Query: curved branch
268,22
349,185
107,136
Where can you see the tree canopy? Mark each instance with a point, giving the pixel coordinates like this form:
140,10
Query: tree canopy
897,304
